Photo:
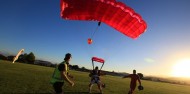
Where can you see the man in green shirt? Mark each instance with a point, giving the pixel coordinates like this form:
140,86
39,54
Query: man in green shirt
61,74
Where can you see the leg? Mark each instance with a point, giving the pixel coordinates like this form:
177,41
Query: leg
100,86
132,88
91,84
58,87
90,87
129,92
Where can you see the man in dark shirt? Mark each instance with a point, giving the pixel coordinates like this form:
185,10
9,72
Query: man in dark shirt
134,77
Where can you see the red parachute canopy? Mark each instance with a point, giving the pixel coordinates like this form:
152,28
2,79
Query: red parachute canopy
89,41
116,14
98,59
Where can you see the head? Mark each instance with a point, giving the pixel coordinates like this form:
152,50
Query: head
134,71
67,57
96,68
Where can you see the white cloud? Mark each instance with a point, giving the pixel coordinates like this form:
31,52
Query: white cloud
149,60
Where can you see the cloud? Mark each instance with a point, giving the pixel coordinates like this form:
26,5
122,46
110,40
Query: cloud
149,60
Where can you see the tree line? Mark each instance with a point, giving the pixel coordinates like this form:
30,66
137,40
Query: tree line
31,59
23,58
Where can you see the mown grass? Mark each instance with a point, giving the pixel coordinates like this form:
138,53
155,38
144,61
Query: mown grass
26,78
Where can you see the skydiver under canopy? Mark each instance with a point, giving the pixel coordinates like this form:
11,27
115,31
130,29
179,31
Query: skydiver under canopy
95,79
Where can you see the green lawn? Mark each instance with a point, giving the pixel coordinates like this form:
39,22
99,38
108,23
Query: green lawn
26,78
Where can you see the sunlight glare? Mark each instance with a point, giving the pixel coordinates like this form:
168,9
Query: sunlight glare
181,68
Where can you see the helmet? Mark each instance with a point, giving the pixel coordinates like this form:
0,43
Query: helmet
140,87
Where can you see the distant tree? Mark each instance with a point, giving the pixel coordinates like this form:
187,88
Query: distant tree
30,58
70,67
10,58
75,67
53,65
83,68
22,58
2,57
140,75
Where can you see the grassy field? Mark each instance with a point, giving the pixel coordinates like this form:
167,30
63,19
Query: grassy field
26,78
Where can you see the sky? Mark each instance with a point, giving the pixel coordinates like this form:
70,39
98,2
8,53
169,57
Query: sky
36,26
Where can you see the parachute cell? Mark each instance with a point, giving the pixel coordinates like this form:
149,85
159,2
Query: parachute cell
115,14
98,59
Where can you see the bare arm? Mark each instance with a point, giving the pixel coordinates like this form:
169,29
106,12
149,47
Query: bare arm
126,76
139,80
64,76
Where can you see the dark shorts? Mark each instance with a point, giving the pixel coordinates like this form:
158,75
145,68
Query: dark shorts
58,87
95,80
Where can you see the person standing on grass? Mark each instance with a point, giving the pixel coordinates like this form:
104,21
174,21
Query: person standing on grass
95,79
61,74
134,77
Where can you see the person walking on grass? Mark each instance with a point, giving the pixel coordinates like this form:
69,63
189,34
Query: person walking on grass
134,77
61,74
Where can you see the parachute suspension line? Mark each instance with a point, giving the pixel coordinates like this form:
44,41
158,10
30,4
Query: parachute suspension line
99,23
93,64
90,39
102,66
